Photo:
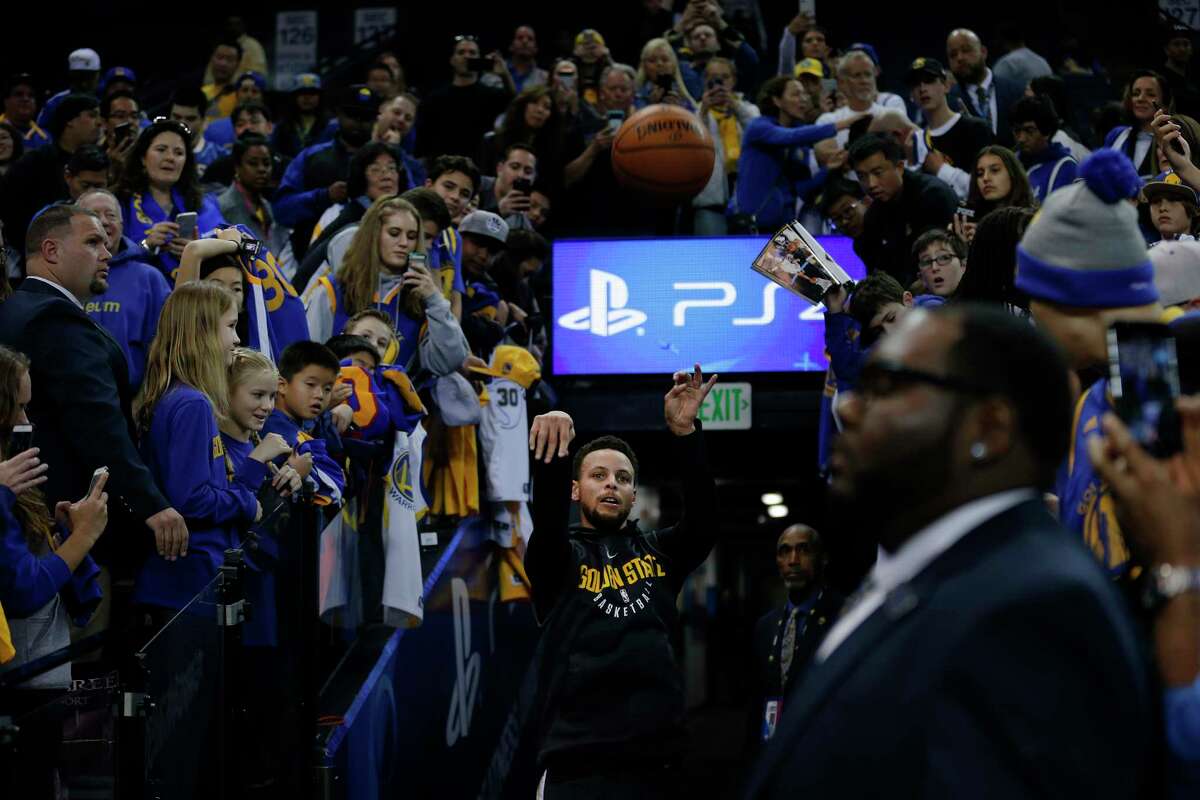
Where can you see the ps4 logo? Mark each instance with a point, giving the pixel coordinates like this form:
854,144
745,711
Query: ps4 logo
606,314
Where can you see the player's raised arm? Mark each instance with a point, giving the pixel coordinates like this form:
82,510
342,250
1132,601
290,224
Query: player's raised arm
547,554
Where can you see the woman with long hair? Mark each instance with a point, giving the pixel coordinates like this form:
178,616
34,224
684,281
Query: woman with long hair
184,394
1145,93
999,181
531,119
992,260
12,146
660,79
159,182
376,272
46,574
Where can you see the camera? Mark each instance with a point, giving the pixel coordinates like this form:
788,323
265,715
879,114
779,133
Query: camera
250,249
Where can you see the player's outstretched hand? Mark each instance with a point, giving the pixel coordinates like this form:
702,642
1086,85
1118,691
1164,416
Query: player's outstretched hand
550,434
682,403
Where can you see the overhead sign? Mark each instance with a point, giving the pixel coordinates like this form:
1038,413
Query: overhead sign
295,46
645,306
372,22
727,407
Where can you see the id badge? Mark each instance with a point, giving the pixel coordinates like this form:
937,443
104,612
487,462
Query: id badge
771,711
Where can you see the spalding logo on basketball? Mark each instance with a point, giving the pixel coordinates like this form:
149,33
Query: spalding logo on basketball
664,151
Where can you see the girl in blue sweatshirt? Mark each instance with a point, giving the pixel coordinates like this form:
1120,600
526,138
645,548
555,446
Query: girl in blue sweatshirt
46,574
253,383
184,392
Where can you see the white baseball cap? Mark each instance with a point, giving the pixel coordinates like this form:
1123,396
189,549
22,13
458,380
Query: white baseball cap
84,59
1176,271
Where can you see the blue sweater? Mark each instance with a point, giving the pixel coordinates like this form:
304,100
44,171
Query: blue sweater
141,212
129,309
306,438
29,582
769,156
184,451
1051,169
295,205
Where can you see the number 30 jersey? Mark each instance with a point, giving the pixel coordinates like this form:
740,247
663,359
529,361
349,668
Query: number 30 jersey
504,436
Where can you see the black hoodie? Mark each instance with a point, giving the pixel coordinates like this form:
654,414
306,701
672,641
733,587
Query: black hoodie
610,689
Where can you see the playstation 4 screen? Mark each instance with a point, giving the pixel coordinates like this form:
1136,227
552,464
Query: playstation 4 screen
644,306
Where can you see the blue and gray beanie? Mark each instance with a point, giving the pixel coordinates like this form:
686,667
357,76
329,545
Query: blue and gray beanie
1083,248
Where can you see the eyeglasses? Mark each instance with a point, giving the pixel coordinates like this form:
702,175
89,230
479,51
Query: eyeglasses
881,378
941,259
173,123
383,169
845,215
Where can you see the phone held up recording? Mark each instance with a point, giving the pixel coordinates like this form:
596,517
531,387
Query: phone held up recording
1144,383
20,440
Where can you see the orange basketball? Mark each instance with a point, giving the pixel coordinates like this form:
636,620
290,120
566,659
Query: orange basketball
664,151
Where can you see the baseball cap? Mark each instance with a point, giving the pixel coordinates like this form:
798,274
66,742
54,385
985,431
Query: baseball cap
257,77
359,101
588,35
512,362
456,400
307,82
487,224
85,59
866,48
810,66
924,70
19,79
1176,271
117,74
1171,187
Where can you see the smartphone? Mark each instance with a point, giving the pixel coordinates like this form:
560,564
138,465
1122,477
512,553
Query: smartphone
250,249
479,64
1143,378
859,129
615,118
1177,144
187,225
828,85
21,439
715,83
965,213
418,260
122,132
100,471
524,185
808,8
665,82
566,81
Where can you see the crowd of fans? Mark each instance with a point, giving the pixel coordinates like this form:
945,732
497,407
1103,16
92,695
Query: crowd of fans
244,295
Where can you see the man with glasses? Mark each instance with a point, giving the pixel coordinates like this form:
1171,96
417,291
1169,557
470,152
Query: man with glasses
947,665
455,117
843,205
119,109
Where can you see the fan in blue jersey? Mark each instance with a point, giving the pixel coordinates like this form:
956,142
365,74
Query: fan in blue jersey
1084,265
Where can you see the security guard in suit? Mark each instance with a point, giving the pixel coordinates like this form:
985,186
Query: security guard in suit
786,638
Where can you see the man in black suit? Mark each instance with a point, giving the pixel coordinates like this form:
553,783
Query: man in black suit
81,415
978,91
986,654
785,638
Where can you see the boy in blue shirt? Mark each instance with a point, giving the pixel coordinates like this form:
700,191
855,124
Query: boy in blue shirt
307,372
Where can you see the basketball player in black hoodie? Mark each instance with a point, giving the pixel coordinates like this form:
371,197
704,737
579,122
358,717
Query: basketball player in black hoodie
611,709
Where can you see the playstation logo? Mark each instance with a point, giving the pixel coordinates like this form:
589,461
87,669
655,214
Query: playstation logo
605,314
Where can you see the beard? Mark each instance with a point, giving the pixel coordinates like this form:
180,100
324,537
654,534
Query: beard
606,524
974,74
98,286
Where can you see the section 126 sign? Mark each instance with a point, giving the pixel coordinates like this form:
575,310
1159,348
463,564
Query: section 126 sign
643,306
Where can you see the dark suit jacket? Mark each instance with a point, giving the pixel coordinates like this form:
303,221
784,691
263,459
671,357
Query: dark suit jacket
81,399
1009,667
1007,93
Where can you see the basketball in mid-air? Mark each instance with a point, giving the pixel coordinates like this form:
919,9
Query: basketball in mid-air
664,151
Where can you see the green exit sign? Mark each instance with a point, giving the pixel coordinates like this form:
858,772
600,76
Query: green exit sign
727,408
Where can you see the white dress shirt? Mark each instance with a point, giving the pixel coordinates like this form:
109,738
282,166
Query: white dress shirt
65,293
894,569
